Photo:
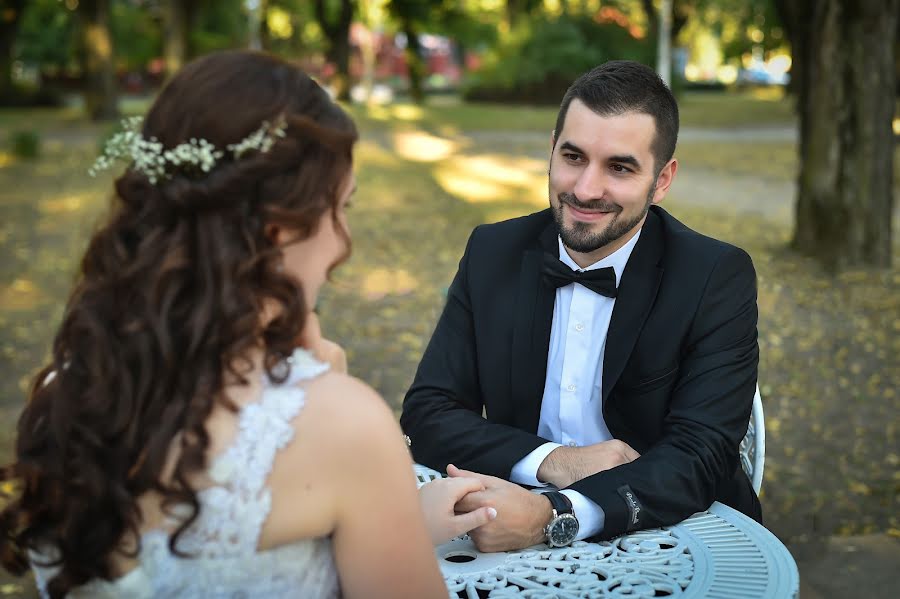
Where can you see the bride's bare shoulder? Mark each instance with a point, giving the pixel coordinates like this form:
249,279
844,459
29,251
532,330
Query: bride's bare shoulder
343,437
343,411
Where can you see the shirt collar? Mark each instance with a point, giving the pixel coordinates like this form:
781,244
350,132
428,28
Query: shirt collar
617,260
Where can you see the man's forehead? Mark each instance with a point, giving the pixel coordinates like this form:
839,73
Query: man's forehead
583,127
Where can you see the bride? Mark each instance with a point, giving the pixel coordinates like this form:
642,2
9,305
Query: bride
180,443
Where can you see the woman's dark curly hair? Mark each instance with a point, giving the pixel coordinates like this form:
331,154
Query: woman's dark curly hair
166,312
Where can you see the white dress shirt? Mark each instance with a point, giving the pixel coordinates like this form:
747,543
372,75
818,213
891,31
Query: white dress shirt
571,410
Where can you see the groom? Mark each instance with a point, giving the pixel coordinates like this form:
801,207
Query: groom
599,347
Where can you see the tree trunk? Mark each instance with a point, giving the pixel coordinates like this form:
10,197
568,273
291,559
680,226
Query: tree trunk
10,16
337,30
845,202
513,12
415,66
679,16
100,95
265,35
175,36
796,19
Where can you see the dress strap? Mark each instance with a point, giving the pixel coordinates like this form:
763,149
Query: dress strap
234,510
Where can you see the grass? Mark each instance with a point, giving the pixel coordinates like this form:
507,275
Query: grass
764,107
697,109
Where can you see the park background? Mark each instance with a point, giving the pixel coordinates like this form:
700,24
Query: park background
787,149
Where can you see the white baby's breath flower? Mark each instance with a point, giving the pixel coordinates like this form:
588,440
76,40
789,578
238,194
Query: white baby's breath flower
152,159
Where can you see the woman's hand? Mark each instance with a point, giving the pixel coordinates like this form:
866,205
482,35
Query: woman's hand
437,499
323,349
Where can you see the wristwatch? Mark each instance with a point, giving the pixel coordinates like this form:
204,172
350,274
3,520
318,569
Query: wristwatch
563,526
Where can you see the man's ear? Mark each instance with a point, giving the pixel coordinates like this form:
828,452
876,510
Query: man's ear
664,180
552,140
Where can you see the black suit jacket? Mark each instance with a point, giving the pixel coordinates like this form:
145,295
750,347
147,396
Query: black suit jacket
679,370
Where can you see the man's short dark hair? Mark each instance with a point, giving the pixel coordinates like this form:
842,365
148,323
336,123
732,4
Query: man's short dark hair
622,86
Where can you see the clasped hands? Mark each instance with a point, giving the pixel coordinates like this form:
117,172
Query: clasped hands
497,514
520,515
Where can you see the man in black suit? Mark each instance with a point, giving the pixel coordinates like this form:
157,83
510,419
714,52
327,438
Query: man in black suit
600,346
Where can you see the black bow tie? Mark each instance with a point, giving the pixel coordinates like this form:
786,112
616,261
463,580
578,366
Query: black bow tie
600,280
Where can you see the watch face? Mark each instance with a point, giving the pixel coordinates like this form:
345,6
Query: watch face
563,530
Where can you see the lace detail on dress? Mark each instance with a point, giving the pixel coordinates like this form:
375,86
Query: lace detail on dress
222,541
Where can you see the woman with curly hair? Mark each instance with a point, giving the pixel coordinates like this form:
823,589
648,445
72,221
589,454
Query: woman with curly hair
180,443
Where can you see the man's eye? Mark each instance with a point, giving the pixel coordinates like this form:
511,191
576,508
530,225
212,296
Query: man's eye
620,168
572,157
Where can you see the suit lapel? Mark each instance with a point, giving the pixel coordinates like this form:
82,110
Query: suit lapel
531,333
637,291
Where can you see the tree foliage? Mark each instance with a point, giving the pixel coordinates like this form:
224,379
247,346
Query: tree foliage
540,59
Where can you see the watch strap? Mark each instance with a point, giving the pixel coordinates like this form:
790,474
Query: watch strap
559,502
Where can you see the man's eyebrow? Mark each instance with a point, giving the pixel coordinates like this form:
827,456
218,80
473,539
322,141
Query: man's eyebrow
567,145
626,159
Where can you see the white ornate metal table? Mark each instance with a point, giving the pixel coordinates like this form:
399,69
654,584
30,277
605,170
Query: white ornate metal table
719,553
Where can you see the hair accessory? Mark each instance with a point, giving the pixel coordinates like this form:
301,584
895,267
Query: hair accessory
148,156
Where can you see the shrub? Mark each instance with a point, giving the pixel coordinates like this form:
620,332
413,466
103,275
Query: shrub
25,144
538,61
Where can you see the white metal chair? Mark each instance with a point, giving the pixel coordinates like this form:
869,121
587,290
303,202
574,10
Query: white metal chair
753,446
753,450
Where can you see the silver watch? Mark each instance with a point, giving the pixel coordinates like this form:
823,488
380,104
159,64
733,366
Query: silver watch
563,526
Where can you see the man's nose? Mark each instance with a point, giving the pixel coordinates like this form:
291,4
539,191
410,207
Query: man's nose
591,184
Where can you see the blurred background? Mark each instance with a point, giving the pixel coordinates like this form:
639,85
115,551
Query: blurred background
787,149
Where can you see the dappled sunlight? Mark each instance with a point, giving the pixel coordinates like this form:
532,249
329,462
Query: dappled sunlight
494,178
21,294
394,112
418,146
771,93
63,205
380,282
407,112
6,159
370,154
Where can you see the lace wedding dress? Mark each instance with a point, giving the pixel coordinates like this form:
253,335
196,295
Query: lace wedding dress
224,537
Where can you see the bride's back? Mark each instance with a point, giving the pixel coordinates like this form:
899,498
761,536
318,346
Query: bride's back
229,554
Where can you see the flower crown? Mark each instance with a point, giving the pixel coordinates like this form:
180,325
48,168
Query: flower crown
149,156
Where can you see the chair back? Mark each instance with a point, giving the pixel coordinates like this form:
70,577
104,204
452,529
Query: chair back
753,446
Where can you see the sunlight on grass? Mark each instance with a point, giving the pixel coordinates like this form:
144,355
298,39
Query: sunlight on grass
387,112
63,205
370,154
493,178
776,160
21,294
407,112
380,282
417,146
768,94
6,159
762,107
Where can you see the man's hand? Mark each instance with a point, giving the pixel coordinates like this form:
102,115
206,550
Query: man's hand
567,465
438,499
323,349
521,515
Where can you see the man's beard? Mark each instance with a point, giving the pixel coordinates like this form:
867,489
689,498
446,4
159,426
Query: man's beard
580,238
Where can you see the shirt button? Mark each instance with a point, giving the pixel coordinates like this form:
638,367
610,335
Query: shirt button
579,327
573,444
571,387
